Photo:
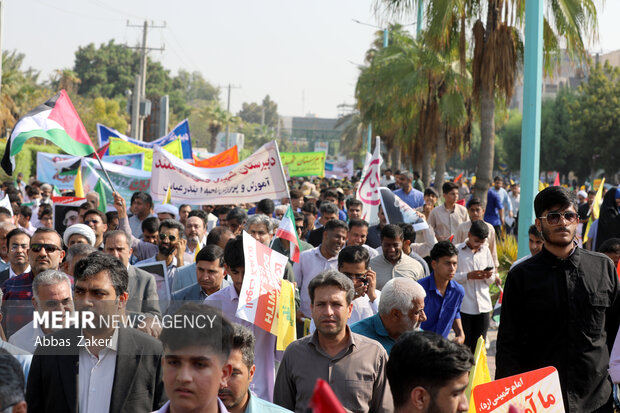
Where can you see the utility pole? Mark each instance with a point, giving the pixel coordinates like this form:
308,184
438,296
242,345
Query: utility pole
228,110
138,127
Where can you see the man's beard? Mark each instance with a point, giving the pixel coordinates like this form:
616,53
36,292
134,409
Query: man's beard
166,250
546,232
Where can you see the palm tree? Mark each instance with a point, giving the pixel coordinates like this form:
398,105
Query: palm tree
497,48
422,103
217,119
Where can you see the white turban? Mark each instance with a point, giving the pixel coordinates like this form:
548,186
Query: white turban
79,229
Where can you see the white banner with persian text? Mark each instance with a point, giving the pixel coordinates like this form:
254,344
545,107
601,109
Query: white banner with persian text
257,177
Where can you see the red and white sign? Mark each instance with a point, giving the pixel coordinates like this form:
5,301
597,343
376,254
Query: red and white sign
532,392
68,200
264,270
368,191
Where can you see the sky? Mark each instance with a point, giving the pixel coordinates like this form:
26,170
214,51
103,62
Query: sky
304,54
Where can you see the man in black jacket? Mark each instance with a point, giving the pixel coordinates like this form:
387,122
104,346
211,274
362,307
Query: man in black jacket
102,369
561,308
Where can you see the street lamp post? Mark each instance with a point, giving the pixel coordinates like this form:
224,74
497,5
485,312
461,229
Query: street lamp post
530,136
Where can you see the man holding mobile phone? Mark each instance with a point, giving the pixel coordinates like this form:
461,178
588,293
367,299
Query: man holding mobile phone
354,262
476,272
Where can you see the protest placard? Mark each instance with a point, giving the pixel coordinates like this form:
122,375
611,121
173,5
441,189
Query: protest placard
339,169
179,133
397,211
257,177
536,391
304,163
368,191
258,299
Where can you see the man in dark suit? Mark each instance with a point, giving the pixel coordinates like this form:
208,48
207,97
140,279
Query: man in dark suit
142,288
209,278
329,211
98,367
18,243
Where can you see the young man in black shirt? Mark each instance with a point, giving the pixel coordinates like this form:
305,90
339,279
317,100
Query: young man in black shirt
561,308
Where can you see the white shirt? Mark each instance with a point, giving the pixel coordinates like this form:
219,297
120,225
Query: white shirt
202,244
311,262
97,377
477,299
13,274
363,308
26,337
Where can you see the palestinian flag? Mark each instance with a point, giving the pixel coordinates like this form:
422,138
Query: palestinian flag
288,231
57,121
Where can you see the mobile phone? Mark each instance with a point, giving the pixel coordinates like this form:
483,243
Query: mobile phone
488,269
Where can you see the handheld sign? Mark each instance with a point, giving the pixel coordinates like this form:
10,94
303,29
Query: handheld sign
536,391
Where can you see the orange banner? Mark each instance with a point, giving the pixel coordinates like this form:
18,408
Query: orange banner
226,158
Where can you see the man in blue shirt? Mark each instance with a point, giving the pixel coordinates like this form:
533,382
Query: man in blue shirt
236,394
401,309
407,192
443,295
494,213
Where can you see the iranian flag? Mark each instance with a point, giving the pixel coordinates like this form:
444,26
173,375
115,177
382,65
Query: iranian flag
288,231
57,121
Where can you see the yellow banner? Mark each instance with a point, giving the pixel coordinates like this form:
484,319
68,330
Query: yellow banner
120,147
303,163
287,332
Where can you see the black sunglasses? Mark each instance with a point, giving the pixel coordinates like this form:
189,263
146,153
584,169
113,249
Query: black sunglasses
48,247
163,237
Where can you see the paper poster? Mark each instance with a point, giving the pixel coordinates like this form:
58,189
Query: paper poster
536,391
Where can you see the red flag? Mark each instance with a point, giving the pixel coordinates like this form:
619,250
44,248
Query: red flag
324,400
458,177
557,180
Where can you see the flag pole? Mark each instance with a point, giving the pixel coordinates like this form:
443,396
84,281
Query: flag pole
105,172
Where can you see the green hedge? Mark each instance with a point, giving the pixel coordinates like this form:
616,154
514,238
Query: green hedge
26,160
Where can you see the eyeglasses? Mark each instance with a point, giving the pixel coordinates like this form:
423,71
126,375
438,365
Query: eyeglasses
553,218
15,247
163,237
301,228
48,247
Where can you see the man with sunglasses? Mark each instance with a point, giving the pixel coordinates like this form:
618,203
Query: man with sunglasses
561,308
45,253
98,222
354,262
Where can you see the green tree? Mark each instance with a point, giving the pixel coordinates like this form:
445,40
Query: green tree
497,48
99,110
417,99
265,113
216,120
594,116
21,90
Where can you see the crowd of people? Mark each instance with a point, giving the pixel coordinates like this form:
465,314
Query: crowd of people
388,316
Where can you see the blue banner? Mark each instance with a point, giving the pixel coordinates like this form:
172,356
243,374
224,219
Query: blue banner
181,131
